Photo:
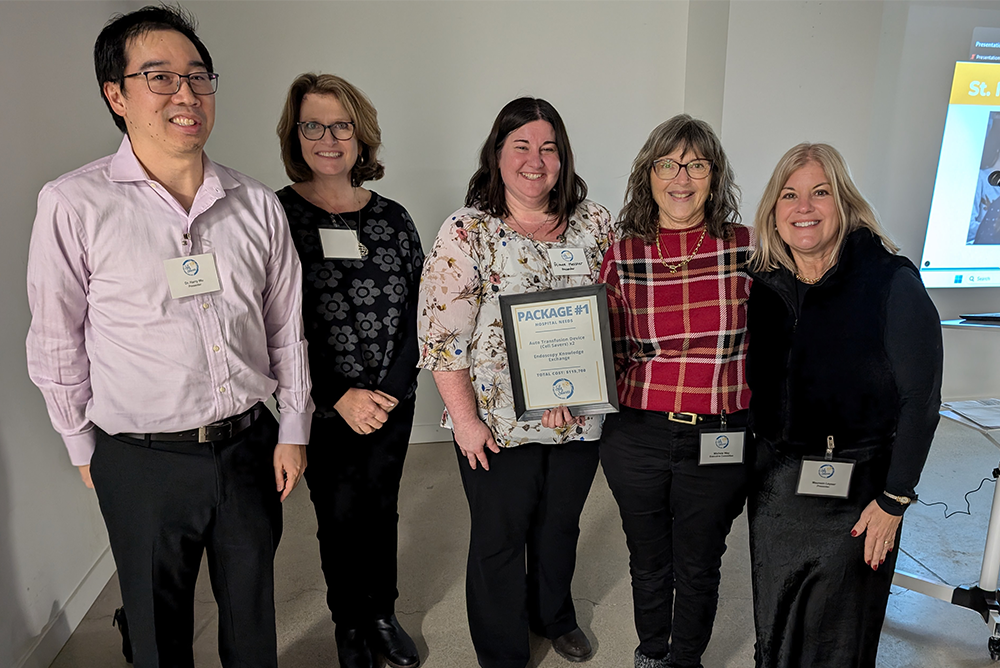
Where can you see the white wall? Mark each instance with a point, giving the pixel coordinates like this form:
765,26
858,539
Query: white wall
438,72
51,532
869,77
873,79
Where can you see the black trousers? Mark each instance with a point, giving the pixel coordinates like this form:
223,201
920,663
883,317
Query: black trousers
676,515
354,486
522,549
164,504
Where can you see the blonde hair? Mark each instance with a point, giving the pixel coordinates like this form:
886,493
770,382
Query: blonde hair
853,209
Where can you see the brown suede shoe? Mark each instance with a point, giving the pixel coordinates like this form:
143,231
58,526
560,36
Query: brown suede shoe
573,646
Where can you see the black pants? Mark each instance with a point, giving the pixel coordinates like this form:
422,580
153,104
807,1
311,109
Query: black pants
354,486
522,550
676,515
164,503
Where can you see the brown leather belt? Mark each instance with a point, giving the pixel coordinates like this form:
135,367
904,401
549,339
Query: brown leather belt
210,433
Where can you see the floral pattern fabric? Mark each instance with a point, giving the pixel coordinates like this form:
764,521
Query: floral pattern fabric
359,315
475,259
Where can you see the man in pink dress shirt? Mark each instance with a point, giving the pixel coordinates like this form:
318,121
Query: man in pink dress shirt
166,306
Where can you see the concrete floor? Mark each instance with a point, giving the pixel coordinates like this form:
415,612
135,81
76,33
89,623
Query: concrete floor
919,632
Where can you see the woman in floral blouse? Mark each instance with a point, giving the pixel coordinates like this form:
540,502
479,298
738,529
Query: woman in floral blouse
526,482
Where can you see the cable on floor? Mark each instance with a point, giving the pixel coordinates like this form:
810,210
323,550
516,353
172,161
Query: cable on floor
968,504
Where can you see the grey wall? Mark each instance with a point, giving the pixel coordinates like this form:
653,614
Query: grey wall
873,79
438,73
870,77
51,532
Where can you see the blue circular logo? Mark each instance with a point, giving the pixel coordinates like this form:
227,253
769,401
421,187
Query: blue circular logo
826,471
567,255
722,442
190,267
562,388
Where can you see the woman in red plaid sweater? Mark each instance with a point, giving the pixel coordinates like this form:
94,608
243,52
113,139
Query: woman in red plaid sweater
677,292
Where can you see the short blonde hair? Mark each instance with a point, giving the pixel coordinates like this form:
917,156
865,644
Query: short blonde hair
853,209
359,108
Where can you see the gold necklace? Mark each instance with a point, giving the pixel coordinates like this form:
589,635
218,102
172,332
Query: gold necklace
816,280
808,281
362,249
674,267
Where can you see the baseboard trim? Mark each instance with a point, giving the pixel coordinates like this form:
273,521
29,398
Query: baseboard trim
46,646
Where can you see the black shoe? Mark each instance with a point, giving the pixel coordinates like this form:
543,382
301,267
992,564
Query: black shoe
352,648
394,644
573,646
121,622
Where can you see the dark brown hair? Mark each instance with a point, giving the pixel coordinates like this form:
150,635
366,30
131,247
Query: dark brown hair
486,187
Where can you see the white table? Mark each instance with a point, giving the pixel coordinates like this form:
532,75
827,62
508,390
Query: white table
981,598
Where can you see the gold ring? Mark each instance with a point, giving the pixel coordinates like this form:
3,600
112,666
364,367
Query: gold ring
885,542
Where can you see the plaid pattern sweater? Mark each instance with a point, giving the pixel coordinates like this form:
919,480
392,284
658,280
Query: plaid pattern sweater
680,338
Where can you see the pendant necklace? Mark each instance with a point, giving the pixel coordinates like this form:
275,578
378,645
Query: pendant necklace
674,267
338,219
530,236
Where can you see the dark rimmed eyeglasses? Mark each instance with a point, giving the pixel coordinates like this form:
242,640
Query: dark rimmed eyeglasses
667,169
314,131
162,82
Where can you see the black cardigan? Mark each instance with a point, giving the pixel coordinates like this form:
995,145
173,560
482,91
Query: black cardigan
859,358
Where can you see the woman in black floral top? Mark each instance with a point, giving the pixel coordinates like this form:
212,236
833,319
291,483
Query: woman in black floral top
361,262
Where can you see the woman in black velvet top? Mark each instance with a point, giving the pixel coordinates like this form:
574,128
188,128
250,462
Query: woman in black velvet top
844,367
361,263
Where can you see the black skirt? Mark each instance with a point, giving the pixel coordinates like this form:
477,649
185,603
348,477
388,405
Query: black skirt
816,602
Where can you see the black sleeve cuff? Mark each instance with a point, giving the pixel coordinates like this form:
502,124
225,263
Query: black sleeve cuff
891,506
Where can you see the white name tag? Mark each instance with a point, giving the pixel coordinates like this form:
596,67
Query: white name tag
191,275
339,244
568,261
721,447
825,477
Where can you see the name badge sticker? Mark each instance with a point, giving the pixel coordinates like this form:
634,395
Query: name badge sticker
339,244
721,446
825,477
191,275
568,261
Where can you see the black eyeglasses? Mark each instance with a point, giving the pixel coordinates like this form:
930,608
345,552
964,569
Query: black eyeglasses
667,169
162,82
314,131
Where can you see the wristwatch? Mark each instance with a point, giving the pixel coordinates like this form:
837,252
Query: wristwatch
901,500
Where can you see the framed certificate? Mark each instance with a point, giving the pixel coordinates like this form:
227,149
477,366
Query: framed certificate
559,351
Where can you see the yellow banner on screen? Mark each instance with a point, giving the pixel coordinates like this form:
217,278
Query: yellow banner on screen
976,83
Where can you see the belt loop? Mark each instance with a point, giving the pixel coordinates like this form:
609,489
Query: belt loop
147,440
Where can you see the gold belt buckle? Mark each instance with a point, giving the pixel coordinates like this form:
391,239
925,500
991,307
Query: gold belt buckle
683,418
